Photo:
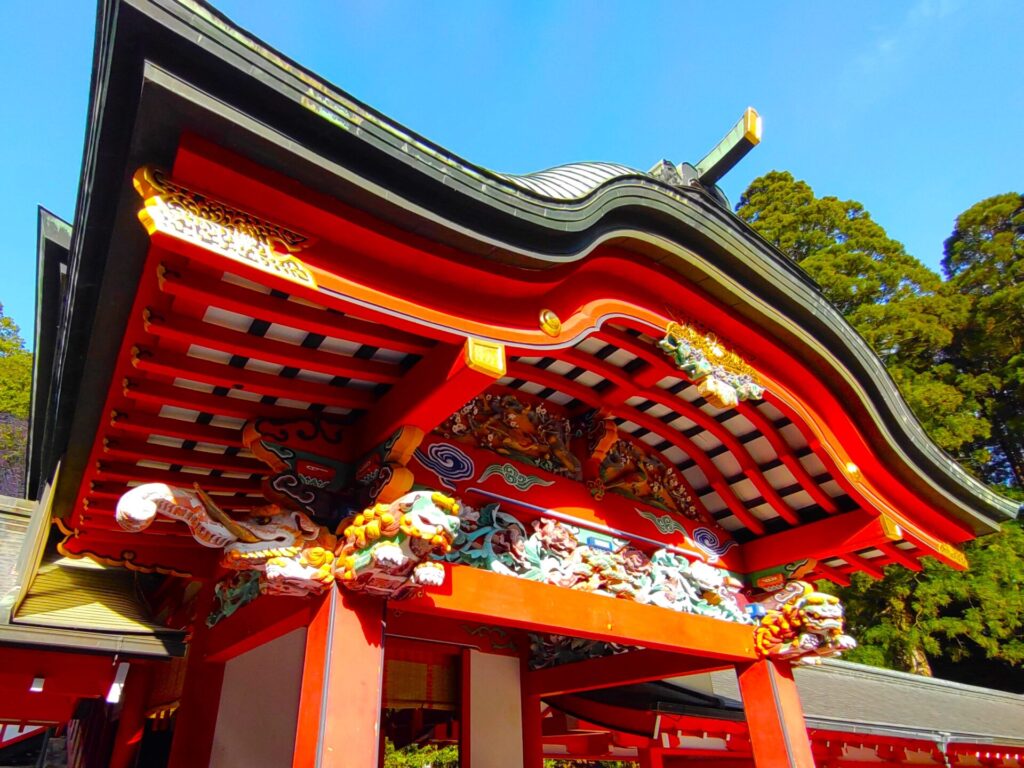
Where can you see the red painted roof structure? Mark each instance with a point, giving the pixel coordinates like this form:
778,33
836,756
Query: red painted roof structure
287,307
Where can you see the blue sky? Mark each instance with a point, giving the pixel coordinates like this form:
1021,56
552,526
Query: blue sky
916,109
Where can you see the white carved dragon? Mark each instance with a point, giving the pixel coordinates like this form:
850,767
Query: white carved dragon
294,554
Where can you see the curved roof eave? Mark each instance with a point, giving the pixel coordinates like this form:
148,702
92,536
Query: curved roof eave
509,221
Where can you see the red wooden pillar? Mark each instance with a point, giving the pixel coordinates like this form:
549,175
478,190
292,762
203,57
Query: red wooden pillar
132,720
196,719
465,708
339,706
775,719
533,735
651,758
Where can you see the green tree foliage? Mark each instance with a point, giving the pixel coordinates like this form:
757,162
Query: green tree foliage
15,369
954,348
903,309
421,756
15,394
970,623
984,262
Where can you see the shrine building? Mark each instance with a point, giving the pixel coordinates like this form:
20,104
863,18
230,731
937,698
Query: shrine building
340,443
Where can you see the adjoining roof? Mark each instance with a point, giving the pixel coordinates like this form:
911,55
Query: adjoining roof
854,699
839,694
69,604
881,700
15,516
92,599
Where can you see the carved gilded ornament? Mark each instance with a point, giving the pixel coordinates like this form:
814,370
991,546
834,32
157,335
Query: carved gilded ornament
293,555
588,561
174,210
386,549
801,625
723,378
529,433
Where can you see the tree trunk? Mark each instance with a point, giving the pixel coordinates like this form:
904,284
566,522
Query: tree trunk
919,663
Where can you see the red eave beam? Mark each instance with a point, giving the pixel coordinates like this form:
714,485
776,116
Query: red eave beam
481,596
824,538
171,366
658,368
714,475
188,331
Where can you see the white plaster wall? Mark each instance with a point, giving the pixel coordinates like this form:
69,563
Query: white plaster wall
496,715
259,705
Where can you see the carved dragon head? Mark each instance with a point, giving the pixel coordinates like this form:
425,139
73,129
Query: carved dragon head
268,532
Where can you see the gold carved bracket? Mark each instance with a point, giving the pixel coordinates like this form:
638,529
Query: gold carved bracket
174,210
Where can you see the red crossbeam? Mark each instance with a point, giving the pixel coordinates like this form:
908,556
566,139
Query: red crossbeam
130,450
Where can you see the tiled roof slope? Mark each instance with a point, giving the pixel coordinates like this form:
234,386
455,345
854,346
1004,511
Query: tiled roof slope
837,694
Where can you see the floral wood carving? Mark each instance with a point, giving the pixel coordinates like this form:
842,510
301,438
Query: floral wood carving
528,433
620,466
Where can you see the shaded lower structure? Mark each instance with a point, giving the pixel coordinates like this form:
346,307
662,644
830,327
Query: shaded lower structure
855,715
338,438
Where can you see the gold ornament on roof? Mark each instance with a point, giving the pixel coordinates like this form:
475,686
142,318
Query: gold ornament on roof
550,323
723,378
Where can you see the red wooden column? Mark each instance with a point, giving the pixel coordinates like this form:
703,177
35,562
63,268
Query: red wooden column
465,707
132,720
650,758
775,719
339,706
196,718
533,734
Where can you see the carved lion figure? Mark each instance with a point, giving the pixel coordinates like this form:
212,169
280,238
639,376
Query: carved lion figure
385,549
294,554
802,624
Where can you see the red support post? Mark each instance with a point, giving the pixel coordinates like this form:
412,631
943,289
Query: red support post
775,718
339,705
196,719
465,707
132,720
533,730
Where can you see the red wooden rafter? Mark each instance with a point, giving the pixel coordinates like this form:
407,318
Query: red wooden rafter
624,387
713,474
658,367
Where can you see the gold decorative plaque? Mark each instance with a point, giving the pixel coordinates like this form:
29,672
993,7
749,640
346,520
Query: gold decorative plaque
486,357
